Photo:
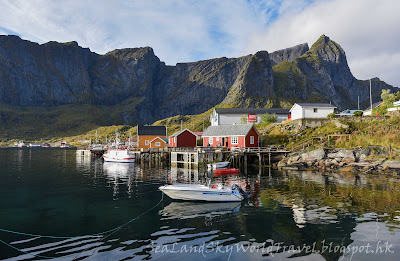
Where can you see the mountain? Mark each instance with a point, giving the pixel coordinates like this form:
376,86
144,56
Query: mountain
52,82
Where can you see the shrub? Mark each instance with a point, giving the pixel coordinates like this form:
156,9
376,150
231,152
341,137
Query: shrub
268,118
331,115
358,113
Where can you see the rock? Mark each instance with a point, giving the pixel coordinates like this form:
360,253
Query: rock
362,157
341,164
335,162
392,164
384,168
343,153
348,169
349,159
317,154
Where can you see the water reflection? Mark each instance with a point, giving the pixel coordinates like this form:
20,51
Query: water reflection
184,210
60,194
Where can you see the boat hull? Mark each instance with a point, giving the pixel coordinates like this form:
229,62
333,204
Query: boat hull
120,160
201,193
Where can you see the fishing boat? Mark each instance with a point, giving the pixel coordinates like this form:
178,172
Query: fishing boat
225,172
197,192
218,165
20,144
117,154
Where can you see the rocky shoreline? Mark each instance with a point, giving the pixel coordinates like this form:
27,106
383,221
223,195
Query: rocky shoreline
367,160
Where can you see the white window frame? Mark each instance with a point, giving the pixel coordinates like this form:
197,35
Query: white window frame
147,142
217,139
315,110
158,144
234,140
251,139
210,140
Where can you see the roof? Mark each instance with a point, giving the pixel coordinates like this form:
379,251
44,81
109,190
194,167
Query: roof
152,130
374,105
314,105
251,110
198,133
162,139
179,132
228,130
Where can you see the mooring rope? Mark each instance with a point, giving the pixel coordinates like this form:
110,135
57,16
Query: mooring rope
111,231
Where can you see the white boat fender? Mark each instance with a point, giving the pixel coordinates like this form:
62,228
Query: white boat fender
241,191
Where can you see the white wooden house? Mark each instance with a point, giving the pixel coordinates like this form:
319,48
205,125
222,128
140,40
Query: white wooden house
311,110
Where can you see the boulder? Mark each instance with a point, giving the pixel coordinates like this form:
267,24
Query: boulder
343,153
392,164
318,154
349,159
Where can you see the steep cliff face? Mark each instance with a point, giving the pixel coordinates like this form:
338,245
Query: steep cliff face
288,54
43,75
253,86
133,86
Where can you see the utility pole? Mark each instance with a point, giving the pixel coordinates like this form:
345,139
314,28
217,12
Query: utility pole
181,124
370,94
358,102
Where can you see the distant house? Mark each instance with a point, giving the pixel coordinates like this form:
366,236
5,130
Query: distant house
146,134
199,134
368,111
183,139
311,110
238,135
229,116
158,143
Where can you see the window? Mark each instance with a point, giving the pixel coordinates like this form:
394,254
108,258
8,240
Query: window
315,110
175,139
217,139
210,140
251,139
147,142
234,140
158,144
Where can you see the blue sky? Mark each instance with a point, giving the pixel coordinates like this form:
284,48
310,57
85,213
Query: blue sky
189,30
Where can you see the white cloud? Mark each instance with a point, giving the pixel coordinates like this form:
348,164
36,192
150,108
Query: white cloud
177,30
368,31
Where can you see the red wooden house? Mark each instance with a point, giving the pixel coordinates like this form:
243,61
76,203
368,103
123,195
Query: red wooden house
183,138
241,135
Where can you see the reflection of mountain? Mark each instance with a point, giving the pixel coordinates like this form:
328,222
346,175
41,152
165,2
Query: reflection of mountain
184,210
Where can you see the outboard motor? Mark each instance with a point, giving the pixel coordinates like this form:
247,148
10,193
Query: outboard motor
241,191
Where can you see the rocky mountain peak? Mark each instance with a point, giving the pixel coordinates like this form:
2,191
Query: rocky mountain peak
288,54
327,50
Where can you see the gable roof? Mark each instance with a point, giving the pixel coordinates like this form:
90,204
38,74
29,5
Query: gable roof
151,130
164,140
314,105
228,130
182,131
251,110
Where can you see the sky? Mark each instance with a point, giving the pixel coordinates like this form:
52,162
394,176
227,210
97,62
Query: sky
189,30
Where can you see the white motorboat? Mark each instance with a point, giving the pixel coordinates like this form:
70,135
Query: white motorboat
119,155
197,192
218,165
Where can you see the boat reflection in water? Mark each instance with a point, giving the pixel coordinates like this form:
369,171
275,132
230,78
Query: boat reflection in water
185,210
118,174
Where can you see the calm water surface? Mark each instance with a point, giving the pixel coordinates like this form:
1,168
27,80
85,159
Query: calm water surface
297,215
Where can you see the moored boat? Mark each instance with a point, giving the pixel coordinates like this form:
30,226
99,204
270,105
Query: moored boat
20,144
218,165
197,192
119,155
226,171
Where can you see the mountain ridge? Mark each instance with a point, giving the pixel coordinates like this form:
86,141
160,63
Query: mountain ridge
132,85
